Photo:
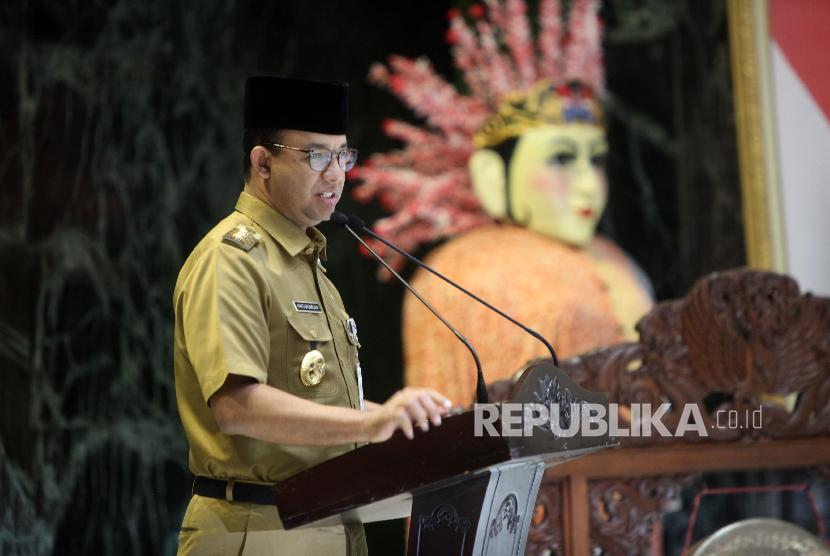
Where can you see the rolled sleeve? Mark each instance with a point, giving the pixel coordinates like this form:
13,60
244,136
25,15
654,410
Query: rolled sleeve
225,318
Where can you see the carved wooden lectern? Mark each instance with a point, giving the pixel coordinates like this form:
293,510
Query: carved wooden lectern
466,493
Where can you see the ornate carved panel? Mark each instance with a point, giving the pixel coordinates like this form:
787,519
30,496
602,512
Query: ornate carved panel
740,341
625,511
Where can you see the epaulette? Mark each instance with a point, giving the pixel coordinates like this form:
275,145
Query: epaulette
243,237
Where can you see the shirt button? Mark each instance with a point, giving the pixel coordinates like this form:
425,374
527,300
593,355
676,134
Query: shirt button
313,332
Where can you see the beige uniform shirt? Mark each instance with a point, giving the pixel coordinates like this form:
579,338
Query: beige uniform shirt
252,299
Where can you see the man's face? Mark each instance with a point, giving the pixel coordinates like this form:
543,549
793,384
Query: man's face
302,195
557,181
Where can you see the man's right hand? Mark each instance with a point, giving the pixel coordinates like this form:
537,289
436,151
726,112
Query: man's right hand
405,409
245,407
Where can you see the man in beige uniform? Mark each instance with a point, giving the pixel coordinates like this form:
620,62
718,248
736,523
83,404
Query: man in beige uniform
266,357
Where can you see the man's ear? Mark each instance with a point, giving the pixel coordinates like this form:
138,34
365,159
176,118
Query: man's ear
488,175
261,162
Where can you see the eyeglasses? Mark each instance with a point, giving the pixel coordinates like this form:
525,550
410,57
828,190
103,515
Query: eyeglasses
319,159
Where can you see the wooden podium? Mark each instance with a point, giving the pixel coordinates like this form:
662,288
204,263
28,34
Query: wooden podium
466,493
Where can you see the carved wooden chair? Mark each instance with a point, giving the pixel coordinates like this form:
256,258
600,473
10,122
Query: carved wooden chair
739,341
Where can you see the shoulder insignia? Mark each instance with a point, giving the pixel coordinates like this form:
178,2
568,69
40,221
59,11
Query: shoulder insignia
242,236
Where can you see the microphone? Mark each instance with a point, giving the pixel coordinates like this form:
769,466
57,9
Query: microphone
357,223
352,221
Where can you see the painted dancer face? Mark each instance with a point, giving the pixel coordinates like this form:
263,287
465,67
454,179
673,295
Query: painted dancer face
557,182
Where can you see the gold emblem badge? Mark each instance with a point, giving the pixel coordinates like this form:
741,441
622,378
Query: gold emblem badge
313,368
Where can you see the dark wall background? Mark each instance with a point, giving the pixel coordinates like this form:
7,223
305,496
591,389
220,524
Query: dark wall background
119,147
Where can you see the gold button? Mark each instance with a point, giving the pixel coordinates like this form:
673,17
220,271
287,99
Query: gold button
313,332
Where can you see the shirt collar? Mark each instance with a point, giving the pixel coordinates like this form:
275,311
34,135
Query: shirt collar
284,232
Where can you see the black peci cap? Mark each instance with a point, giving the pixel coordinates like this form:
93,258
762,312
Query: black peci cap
288,103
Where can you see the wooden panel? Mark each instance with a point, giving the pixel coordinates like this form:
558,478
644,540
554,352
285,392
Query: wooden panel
577,517
692,458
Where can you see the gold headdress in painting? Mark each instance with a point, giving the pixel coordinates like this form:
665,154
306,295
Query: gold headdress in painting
514,81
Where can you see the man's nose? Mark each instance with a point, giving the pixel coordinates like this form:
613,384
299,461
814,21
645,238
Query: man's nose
333,172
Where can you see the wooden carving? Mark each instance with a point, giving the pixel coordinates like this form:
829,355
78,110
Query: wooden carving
743,343
740,341
545,534
624,512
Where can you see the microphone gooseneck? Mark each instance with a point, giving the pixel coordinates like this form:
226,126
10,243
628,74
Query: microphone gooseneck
428,268
342,220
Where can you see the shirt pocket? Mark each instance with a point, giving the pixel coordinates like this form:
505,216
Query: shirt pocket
306,332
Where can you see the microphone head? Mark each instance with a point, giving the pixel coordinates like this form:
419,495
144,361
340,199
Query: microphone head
339,218
356,222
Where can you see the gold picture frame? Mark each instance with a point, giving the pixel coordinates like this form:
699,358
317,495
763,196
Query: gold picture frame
749,42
